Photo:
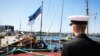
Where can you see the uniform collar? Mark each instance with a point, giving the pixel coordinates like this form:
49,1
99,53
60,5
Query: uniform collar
83,35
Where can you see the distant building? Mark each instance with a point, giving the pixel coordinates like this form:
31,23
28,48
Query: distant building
6,27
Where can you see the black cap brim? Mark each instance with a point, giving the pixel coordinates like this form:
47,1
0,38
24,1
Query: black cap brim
78,22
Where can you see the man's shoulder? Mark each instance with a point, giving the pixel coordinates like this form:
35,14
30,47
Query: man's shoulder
81,42
78,41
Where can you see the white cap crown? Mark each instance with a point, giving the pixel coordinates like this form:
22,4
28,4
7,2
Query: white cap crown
78,18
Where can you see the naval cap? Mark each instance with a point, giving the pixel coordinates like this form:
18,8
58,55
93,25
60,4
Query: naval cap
78,19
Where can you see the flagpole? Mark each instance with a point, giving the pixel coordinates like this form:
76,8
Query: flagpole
41,22
31,29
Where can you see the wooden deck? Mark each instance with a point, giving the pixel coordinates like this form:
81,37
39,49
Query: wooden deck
38,54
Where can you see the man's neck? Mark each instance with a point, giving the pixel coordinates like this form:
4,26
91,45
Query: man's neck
78,34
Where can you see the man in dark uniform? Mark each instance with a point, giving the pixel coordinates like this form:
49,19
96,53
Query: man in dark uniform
81,45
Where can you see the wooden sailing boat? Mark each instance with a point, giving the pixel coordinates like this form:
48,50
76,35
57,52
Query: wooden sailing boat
42,53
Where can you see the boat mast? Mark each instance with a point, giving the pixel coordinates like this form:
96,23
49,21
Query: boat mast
41,22
61,20
87,10
87,13
20,26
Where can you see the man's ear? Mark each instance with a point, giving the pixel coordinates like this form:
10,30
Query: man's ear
74,28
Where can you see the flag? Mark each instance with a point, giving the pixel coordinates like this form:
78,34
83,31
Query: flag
34,16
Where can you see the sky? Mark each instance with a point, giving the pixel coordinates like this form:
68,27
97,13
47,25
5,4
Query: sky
16,13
